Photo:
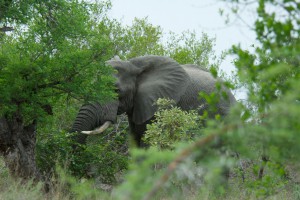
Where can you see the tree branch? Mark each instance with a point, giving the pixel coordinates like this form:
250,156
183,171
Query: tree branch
6,29
46,85
67,91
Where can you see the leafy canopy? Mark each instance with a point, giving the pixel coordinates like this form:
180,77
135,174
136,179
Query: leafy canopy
59,52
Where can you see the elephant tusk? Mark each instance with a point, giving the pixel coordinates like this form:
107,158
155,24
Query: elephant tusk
98,130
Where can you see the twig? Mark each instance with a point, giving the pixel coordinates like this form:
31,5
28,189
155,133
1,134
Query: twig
183,155
6,29
264,159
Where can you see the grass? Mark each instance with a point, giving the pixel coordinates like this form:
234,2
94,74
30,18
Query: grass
66,187
11,189
63,187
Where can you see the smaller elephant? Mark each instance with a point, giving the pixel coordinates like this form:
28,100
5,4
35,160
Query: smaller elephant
140,82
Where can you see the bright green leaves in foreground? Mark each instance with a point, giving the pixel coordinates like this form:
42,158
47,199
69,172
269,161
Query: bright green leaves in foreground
264,134
269,71
271,75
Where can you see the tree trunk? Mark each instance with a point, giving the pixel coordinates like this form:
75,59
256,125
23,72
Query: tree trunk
17,146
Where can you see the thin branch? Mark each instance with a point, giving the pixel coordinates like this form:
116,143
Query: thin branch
201,143
46,85
67,91
6,29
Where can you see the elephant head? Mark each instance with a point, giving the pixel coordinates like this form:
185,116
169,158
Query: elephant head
140,82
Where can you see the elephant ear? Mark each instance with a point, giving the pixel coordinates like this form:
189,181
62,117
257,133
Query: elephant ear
160,77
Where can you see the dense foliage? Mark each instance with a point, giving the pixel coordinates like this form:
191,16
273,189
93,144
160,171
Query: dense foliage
171,125
52,58
53,61
263,134
55,55
110,149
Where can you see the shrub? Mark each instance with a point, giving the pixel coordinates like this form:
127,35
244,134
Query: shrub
171,125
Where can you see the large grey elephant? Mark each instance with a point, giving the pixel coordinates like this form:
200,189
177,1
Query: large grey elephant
140,82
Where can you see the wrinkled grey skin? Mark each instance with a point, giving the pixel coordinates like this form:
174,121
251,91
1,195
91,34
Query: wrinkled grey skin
140,82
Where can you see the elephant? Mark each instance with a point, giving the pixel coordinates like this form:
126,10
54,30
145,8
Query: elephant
140,82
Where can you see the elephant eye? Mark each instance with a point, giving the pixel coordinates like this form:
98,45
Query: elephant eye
120,70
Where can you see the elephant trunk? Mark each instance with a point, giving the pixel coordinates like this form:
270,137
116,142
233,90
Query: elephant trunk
91,116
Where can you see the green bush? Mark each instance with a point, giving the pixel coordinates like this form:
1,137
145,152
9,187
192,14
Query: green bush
171,125
102,157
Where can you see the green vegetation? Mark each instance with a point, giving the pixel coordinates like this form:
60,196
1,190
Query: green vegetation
53,61
171,125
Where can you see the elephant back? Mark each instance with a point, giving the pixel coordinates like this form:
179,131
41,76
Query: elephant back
201,80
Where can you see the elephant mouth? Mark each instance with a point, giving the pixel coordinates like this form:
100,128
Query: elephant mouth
125,105
122,109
